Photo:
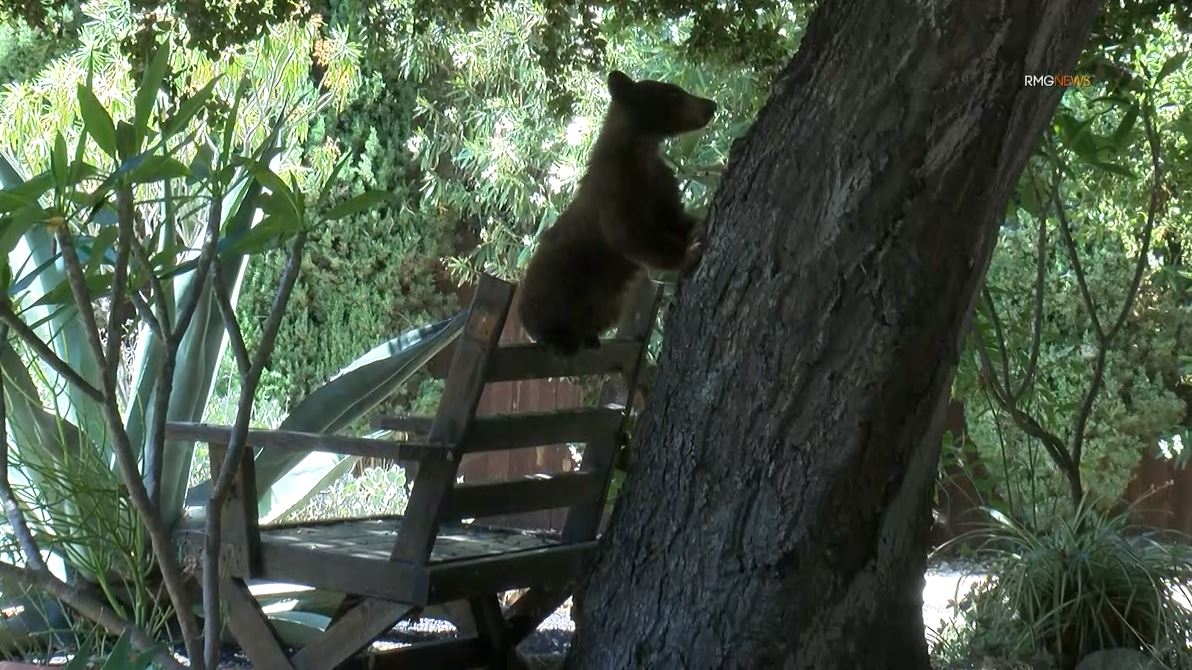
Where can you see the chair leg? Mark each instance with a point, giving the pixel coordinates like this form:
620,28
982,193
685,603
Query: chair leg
492,628
351,633
535,605
251,629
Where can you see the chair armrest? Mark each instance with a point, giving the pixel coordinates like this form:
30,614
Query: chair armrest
288,440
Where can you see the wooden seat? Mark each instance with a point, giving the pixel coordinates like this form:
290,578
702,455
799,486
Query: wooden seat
390,567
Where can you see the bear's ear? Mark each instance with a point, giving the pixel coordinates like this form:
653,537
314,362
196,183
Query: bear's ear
619,85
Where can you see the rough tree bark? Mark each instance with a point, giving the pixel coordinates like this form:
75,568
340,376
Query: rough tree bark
777,513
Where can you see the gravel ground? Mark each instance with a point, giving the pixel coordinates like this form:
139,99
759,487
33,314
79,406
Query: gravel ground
946,581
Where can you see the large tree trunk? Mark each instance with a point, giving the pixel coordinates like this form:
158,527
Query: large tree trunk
777,512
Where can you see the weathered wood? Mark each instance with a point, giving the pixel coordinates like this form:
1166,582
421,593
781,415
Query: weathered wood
351,633
384,559
373,539
528,494
492,630
343,572
526,429
240,523
583,519
417,425
459,654
457,407
493,574
519,362
251,629
296,441
637,323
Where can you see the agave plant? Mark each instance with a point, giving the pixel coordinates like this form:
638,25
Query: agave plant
162,245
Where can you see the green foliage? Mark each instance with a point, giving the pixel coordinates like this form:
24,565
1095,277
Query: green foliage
25,50
1089,583
374,491
1106,187
366,275
120,657
456,121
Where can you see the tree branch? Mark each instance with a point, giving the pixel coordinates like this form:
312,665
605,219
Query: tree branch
146,314
160,299
125,217
1107,339
78,289
164,549
154,461
235,335
1074,258
237,445
187,310
12,509
1001,337
1052,443
89,607
1028,377
10,319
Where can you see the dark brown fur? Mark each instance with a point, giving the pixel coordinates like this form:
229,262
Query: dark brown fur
626,216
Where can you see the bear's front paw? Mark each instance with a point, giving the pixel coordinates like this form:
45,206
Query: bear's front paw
695,253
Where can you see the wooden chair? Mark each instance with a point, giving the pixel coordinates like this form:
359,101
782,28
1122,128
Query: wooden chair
389,568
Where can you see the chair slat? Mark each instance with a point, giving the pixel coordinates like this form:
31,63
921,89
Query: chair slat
519,362
528,494
528,429
458,579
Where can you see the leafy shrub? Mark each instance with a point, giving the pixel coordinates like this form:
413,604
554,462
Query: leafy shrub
376,490
1092,582
454,119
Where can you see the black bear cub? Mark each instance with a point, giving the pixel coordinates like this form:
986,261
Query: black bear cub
626,216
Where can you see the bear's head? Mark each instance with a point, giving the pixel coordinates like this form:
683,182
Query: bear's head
659,108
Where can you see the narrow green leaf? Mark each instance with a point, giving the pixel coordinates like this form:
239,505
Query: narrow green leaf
11,201
200,167
299,196
146,96
343,161
97,284
119,657
1174,63
282,199
12,228
32,189
58,164
5,273
233,117
97,121
1122,133
262,236
125,140
27,280
189,108
99,247
157,168
358,204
